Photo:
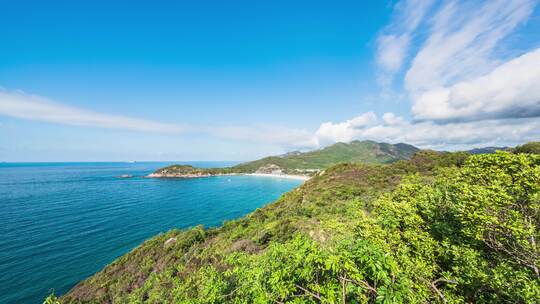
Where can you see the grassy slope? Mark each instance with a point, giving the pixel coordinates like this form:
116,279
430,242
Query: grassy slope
324,208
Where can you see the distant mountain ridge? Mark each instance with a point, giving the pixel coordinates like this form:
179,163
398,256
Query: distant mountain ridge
296,162
488,150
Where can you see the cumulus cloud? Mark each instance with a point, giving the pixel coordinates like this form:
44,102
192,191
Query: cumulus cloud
33,107
395,129
346,131
391,119
510,91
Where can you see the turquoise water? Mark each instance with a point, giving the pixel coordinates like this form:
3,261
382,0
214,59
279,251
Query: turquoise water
62,222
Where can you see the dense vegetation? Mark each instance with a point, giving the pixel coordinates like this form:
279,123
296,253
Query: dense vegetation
368,152
442,227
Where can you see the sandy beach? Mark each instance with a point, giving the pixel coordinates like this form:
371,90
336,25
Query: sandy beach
289,176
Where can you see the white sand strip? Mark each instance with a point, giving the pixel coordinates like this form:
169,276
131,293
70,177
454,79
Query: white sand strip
289,176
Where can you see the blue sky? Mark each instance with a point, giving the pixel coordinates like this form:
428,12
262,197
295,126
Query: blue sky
237,80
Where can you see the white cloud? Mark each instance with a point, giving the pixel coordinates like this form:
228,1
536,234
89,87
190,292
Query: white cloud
462,90
457,74
511,90
346,131
394,41
391,51
33,107
461,42
391,119
428,134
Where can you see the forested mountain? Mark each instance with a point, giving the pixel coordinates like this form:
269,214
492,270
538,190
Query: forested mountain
368,152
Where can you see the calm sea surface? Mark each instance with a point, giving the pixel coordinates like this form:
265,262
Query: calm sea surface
62,222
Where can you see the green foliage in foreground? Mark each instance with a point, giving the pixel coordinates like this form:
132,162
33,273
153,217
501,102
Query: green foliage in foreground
439,228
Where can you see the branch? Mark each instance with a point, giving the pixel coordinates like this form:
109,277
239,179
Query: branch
308,292
439,293
343,291
363,284
434,287
231,293
444,280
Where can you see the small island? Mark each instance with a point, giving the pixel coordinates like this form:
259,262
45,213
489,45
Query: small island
187,171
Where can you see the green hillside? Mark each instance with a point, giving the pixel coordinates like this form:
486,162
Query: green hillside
439,228
368,152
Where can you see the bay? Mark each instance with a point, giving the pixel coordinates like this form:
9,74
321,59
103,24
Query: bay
62,222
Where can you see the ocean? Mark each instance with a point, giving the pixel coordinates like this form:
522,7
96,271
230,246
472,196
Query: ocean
62,222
